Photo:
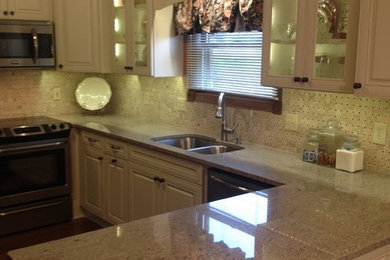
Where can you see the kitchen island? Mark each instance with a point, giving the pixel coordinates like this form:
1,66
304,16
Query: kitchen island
320,213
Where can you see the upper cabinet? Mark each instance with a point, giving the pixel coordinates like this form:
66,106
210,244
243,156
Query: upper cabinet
373,59
79,41
26,9
310,44
143,39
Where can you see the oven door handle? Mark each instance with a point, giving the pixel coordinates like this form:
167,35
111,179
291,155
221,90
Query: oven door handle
30,147
239,188
4,214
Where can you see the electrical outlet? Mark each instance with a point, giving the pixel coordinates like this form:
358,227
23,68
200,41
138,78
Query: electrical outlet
57,94
379,133
291,122
181,104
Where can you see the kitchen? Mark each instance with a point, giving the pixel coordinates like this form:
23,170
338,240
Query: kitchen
31,92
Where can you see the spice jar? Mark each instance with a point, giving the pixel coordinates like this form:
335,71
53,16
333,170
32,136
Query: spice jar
330,139
350,156
310,146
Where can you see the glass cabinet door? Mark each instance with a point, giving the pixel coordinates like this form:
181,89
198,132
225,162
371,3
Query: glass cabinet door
283,37
330,39
119,26
140,33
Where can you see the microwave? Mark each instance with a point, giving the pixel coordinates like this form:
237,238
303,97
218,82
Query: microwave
26,44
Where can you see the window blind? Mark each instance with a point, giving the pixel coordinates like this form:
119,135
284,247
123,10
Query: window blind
227,62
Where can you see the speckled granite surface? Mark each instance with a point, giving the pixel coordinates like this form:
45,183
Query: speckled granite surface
320,213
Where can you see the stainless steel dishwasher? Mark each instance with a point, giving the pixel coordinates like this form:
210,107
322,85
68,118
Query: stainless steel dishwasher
222,184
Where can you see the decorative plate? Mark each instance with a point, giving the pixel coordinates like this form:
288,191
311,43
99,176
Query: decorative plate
93,93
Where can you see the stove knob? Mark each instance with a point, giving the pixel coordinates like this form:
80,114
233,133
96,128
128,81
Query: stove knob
53,127
62,126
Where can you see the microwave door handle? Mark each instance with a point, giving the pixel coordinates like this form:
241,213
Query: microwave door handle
35,44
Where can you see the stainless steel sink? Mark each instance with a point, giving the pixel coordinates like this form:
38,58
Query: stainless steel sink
198,144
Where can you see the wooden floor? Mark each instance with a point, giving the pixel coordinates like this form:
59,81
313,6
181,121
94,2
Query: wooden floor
44,234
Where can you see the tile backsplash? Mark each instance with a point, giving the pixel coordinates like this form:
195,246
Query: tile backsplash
30,92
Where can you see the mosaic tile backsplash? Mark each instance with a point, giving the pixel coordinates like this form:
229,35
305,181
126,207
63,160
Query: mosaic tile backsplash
27,93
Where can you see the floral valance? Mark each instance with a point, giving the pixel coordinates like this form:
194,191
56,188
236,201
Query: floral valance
208,16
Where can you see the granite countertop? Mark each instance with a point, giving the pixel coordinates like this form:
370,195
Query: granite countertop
320,213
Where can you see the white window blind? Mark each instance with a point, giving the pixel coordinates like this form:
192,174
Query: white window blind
227,62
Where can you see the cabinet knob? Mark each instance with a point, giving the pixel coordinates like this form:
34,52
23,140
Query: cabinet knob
161,180
114,160
304,79
128,68
5,12
156,179
100,158
12,13
60,66
357,85
297,79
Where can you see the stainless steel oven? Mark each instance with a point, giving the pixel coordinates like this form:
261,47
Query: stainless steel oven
35,183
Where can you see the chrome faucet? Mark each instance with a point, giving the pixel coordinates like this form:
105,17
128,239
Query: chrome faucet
221,113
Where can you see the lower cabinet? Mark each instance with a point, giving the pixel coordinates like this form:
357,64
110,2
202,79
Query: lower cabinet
154,192
122,182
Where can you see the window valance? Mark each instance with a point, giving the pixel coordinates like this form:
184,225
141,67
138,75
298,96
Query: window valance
209,16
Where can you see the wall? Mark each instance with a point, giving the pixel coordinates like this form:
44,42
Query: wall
162,99
30,92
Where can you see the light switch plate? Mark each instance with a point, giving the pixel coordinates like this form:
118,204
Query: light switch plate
379,133
291,122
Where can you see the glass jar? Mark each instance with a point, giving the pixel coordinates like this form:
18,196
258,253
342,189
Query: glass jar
310,146
330,139
350,156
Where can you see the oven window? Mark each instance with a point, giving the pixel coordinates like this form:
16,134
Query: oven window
32,171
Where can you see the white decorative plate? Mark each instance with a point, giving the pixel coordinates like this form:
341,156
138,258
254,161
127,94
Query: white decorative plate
93,93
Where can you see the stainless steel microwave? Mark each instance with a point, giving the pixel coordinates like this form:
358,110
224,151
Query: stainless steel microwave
26,44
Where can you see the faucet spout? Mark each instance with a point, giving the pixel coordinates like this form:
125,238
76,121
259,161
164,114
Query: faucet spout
220,113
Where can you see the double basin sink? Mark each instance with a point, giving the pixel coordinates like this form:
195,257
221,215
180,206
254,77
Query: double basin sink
198,144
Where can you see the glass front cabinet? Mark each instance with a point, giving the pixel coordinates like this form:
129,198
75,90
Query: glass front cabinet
310,44
144,40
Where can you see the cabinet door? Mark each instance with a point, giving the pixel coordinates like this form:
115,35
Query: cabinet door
179,194
373,56
144,194
116,190
310,44
77,35
30,9
93,193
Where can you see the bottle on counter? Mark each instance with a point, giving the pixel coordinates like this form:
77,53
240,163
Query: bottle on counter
330,139
310,146
350,156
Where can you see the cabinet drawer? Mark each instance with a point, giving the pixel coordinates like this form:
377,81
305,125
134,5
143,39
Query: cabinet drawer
116,148
92,142
167,164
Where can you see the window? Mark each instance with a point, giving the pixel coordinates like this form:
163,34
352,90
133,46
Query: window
227,62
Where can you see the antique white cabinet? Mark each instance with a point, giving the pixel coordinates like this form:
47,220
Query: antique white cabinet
26,9
373,60
79,39
310,44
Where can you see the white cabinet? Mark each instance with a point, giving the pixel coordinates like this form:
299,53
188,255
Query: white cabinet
79,41
143,39
310,44
26,9
154,192
373,61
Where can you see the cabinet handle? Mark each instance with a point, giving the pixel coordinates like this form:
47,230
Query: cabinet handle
297,79
304,79
128,68
5,12
115,147
357,85
161,180
91,140
156,179
100,158
114,160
